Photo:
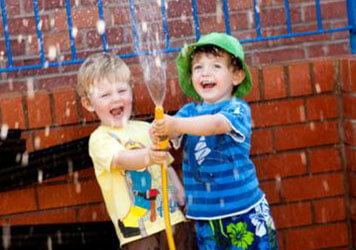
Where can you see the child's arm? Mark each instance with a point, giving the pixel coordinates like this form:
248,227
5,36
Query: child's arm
198,125
138,158
179,193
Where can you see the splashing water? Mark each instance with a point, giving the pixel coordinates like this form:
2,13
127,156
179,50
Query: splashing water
150,35
49,243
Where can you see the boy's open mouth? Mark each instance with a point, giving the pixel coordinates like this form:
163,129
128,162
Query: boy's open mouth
117,111
207,84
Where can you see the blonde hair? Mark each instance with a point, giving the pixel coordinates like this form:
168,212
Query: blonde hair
101,66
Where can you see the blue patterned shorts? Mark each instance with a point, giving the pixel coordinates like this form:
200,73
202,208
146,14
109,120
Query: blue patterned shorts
252,230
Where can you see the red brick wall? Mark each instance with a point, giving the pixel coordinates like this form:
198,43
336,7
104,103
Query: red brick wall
304,143
348,75
303,146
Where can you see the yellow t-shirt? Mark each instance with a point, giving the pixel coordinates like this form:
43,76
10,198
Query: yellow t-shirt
133,199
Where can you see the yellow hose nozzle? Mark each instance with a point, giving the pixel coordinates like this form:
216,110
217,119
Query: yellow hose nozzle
163,142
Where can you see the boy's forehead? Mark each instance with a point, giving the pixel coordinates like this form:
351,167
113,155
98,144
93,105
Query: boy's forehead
105,83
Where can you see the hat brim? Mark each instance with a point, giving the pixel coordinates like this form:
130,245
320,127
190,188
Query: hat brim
184,76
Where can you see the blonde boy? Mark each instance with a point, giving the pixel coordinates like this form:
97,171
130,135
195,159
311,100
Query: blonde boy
124,158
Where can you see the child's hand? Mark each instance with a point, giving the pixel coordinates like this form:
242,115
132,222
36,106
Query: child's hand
163,127
179,196
157,156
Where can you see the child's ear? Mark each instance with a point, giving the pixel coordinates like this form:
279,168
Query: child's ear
86,104
239,76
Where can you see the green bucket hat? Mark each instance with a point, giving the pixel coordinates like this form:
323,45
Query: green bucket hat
223,41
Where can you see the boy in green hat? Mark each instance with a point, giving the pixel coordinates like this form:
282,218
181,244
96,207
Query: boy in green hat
222,190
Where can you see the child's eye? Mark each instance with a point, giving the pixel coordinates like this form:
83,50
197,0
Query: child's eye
121,91
104,95
217,66
197,67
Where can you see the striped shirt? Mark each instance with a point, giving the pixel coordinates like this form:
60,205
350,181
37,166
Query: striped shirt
219,177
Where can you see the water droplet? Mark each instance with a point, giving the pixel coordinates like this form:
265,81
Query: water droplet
302,113
222,203
143,182
326,185
52,53
30,88
37,142
25,158
4,131
25,22
74,32
208,187
47,129
317,88
144,27
59,237
40,176
52,23
236,173
49,243
303,158
219,12
190,199
70,167
6,235
78,188
312,126
100,27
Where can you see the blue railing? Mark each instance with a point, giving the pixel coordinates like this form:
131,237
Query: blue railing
350,27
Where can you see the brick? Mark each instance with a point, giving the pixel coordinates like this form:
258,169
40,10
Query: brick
56,136
272,190
322,107
274,82
299,79
279,55
329,210
317,237
301,136
351,158
179,8
277,113
12,8
65,106
353,209
174,99
38,110
142,100
12,110
44,217
68,194
17,201
292,215
280,165
212,24
119,16
324,75
54,4
352,183
261,142
346,75
325,185
254,94
93,213
349,105
179,29
350,132
324,160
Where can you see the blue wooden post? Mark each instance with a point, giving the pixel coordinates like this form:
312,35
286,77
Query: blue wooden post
351,11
